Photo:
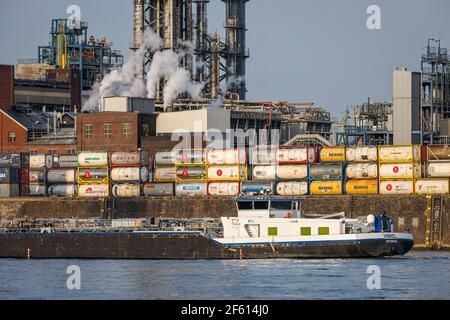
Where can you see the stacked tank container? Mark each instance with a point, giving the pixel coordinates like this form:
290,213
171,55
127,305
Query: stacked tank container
93,175
191,173
361,172
262,171
292,170
398,168
164,174
437,170
129,173
62,176
39,164
9,175
226,169
326,177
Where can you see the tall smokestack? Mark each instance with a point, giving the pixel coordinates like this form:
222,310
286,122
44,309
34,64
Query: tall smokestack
138,33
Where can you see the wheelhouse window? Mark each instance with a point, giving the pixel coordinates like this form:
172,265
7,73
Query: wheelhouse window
88,131
261,205
245,205
281,205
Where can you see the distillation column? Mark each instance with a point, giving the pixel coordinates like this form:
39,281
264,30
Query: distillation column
201,32
237,52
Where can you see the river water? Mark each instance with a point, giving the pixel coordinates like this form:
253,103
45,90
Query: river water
417,275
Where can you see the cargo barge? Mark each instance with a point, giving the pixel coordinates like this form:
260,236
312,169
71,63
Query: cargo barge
265,228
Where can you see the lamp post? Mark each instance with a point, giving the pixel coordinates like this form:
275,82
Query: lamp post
34,123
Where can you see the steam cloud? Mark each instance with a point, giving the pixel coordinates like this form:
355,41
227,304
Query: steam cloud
164,66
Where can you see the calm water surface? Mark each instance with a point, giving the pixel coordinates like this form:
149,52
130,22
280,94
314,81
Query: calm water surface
418,275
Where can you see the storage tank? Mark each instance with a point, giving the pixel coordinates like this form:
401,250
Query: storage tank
295,188
438,169
400,170
37,161
191,189
126,190
362,154
190,156
191,173
62,176
437,152
231,172
396,154
37,176
361,171
93,159
91,175
123,159
93,190
165,157
326,187
264,173
165,174
67,161
130,174
37,190
369,186
158,189
332,154
260,156
322,171
405,187
296,155
259,188
223,188
292,172
63,190
225,156
432,186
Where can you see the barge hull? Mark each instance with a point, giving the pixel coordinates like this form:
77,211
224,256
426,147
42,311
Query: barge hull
182,246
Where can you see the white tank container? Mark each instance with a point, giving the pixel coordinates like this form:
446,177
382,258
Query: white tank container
400,170
126,190
438,169
62,176
37,161
262,156
68,161
397,187
136,174
361,171
291,172
93,190
63,190
93,159
292,155
362,154
36,176
224,172
165,174
225,156
126,159
432,186
292,188
264,173
191,189
410,153
37,190
165,157
223,188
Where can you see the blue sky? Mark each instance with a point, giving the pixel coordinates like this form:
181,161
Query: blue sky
317,50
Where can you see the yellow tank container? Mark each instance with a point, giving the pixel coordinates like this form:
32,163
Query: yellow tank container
332,154
362,186
326,187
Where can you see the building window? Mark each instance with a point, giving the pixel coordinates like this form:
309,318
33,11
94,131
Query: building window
126,130
324,231
146,130
272,231
51,152
305,231
88,130
107,130
12,137
72,152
